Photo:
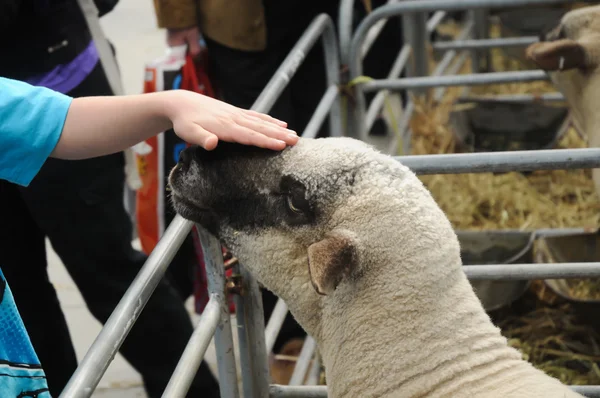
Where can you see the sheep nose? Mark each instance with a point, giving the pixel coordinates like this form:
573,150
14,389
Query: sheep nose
185,158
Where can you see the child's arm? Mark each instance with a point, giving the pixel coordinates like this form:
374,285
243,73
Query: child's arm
100,125
36,122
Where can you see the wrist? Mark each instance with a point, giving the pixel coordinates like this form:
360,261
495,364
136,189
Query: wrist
162,107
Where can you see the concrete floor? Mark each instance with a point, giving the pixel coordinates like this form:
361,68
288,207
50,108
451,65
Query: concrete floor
131,27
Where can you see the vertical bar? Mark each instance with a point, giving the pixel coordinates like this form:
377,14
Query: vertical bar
315,372
192,356
332,66
414,26
117,327
215,274
274,326
303,363
481,31
251,335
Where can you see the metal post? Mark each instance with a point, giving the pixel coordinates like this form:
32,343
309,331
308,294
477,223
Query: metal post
215,274
251,336
117,327
414,26
188,364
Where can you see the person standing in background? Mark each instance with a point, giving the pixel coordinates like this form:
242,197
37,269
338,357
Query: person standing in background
79,206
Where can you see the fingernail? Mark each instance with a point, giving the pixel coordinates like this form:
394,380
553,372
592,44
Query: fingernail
293,135
292,132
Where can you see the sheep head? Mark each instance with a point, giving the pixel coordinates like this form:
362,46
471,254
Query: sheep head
570,54
310,221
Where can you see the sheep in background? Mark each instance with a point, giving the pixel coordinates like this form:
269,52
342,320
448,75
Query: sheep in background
365,260
570,53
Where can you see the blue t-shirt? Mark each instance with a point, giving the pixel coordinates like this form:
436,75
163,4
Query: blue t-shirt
31,122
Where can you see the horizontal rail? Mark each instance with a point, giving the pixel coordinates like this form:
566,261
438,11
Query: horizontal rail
516,272
193,354
500,162
279,391
515,98
485,43
455,80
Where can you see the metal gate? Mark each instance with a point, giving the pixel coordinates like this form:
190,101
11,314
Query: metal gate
255,340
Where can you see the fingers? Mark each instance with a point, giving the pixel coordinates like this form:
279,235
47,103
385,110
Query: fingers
270,129
248,136
266,117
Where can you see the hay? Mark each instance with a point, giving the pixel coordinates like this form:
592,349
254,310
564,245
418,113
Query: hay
543,199
555,341
549,335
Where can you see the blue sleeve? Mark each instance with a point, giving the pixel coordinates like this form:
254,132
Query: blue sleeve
31,122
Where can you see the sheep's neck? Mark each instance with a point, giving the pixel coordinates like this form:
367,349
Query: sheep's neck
403,342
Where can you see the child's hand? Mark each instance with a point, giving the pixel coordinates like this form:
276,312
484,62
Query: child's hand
204,121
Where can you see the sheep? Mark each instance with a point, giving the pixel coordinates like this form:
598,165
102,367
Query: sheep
570,54
367,263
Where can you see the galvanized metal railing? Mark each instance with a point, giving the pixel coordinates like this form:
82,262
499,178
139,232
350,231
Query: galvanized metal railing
255,340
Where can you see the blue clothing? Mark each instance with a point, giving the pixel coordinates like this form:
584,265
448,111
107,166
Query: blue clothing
31,122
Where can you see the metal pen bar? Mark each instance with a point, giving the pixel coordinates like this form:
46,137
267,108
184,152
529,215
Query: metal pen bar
314,374
449,56
460,61
517,98
378,101
280,391
117,327
373,34
188,364
515,272
498,162
321,113
215,275
320,24
345,17
588,391
455,80
251,336
404,7
485,43
303,362
435,20
414,28
274,326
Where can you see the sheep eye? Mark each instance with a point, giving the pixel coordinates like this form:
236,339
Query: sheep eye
292,206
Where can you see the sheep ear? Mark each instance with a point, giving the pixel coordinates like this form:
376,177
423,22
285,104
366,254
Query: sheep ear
556,55
330,259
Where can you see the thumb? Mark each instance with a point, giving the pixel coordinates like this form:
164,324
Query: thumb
197,135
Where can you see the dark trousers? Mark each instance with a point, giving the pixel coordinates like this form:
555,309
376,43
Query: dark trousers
78,205
241,76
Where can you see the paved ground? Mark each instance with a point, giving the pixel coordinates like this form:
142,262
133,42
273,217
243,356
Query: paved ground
132,28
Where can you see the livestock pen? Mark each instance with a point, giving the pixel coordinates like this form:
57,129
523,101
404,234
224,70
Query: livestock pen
345,107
